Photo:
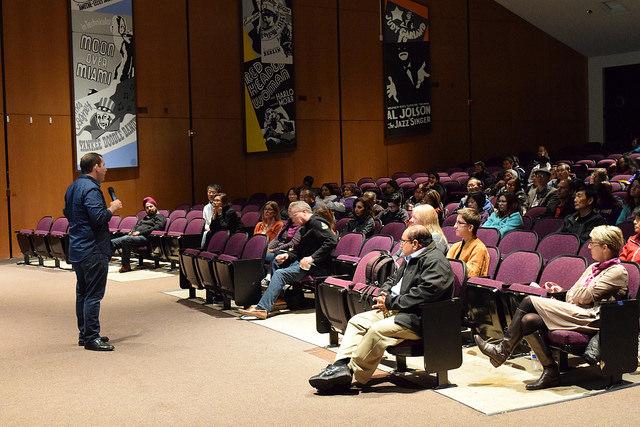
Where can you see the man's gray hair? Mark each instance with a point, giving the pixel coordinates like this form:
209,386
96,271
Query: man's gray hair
300,206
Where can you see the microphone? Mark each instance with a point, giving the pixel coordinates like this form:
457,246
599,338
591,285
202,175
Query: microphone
112,193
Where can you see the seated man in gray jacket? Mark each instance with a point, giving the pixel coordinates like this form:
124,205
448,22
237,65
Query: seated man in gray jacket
139,234
425,276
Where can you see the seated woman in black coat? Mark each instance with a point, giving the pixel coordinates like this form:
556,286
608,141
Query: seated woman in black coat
362,221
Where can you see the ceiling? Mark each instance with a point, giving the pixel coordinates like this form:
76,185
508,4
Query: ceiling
611,27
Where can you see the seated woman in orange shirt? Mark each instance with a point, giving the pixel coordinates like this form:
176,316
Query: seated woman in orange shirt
631,250
470,249
270,223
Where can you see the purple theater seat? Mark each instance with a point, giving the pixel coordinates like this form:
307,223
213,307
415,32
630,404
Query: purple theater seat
569,338
183,206
394,229
177,214
175,243
450,233
456,175
544,226
197,207
127,224
114,223
535,212
517,240
621,178
416,175
349,244
585,252
489,236
634,278
494,260
451,208
459,270
403,179
565,270
24,236
556,244
141,214
341,224
450,220
204,262
399,175
58,240
365,180
249,220
627,229
188,257
422,179
249,208
382,180
193,214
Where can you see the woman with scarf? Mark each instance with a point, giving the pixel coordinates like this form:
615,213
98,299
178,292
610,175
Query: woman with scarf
602,281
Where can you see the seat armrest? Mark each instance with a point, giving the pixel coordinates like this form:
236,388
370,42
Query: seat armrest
562,295
441,332
619,336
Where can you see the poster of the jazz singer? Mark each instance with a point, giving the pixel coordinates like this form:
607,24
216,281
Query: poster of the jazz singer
407,67
267,70
104,81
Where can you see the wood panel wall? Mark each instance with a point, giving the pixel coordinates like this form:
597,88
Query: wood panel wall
526,87
4,206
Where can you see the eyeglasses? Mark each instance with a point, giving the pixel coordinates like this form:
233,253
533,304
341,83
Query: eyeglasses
461,223
403,241
591,244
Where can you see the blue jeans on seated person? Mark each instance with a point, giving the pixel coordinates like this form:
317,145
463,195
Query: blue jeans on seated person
126,243
280,277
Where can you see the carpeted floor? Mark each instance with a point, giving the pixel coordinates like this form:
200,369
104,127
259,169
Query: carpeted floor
179,363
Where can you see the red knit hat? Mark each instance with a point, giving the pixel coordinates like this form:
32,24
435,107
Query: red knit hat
149,199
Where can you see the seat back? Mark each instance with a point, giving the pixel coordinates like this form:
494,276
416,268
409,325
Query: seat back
255,247
44,224
250,219
349,244
402,179
633,271
178,213
365,180
451,208
544,226
418,175
450,233
191,215
565,270
184,207
127,224
378,242
258,199
494,260
520,267
60,225
235,244
450,220
518,240
198,207
382,180
341,224
249,208
141,214
114,222
394,229
459,270
194,226
556,244
456,175
164,213
489,236
177,226
400,175
535,212
218,241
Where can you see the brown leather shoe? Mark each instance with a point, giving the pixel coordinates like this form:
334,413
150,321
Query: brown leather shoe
280,304
125,268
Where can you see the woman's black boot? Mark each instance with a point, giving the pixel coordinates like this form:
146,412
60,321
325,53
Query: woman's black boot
550,373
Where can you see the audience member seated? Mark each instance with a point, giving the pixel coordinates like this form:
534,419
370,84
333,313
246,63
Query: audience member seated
586,218
598,175
362,221
434,183
284,241
625,165
631,250
632,201
349,195
540,194
417,198
605,280
390,191
311,255
371,198
563,172
541,162
309,197
138,235
470,249
323,211
307,183
477,201
607,205
635,144
519,169
432,198
425,277
326,195
394,211
507,216
480,172
293,195
563,205
500,186
514,186
270,223
426,216
474,185
207,211
224,216
510,163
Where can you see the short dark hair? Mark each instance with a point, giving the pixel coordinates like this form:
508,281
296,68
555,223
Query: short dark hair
479,197
308,180
368,206
419,233
590,193
223,198
395,198
88,161
216,187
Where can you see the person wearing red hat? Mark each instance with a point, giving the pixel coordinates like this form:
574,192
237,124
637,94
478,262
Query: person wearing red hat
138,235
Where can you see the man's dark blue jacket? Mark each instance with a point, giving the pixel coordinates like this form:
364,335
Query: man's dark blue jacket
88,216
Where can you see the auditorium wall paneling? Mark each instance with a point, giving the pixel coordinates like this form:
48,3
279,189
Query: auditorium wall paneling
527,88
164,170
4,206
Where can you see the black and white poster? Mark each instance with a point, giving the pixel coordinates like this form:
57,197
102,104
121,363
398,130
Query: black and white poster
104,81
269,95
407,67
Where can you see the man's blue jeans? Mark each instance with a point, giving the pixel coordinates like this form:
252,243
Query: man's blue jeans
280,277
91,275
126,243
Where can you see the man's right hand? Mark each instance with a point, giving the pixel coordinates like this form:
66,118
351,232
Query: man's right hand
115,205
281,258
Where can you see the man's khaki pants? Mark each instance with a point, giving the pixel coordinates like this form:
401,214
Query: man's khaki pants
366,338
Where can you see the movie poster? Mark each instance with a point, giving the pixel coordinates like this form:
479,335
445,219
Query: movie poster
104,81
269,97
407,67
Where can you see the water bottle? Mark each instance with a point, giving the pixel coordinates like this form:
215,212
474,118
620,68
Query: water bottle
535,364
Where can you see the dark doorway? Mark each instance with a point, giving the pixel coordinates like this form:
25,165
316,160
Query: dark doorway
621,106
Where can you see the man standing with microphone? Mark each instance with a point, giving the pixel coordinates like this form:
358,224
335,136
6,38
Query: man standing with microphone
90,247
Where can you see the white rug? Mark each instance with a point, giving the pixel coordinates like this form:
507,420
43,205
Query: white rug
136,274
478,384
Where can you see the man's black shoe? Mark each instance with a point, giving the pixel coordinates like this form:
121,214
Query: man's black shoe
332,377
103,339
98,345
